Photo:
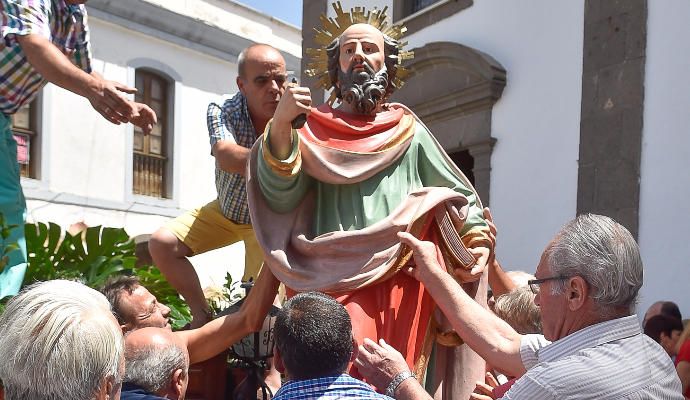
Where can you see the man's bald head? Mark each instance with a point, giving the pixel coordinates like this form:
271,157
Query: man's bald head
261,80
257,53
152,336
157,361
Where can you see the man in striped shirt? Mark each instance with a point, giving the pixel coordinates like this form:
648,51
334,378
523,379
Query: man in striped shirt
587,284
47,41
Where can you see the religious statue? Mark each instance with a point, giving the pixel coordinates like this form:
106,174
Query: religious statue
328,199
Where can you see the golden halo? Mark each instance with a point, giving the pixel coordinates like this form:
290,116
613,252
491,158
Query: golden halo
334,27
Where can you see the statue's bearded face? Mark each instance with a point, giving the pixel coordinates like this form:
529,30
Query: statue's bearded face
363,88
362,75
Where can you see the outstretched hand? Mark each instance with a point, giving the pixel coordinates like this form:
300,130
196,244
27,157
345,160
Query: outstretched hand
485,390
106,97
379,362
425,257
145,118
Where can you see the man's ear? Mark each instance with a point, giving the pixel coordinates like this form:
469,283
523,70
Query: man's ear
177,383
577,291
106,391
278,360
240,84
355,350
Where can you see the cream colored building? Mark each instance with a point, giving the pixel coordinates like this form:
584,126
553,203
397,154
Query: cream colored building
181,55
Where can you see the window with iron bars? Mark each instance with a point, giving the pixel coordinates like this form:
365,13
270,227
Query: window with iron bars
150,166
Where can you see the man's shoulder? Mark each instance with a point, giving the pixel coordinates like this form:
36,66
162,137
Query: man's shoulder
327,387
626,366
133,392
230,103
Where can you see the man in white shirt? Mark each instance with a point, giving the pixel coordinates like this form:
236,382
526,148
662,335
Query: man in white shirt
587,284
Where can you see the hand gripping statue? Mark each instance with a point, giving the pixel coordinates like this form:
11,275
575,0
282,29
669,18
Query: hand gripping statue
328,199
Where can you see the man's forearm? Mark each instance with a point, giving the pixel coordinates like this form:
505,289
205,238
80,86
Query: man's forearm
214,337
221,333
54,66
231,157
499,281
492,338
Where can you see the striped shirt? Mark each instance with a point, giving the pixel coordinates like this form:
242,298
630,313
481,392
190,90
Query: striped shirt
609,360
231,122
328,388
64,25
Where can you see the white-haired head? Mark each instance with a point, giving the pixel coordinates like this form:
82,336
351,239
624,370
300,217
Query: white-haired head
605,255
59,340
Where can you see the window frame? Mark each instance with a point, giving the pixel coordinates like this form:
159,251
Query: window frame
33,168
167,134
426,16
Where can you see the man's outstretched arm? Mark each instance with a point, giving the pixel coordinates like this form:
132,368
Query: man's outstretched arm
492,338
221,333
105,96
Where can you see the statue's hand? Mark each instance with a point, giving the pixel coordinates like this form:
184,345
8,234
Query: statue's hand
481,254
295,101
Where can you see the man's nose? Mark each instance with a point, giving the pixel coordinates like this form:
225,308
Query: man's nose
166,311
275,87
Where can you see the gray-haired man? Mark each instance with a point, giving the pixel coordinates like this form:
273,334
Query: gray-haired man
587,284
59,340
157,365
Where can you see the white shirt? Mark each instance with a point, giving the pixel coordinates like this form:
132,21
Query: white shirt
609,360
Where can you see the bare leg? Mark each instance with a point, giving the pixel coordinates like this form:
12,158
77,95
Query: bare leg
170,256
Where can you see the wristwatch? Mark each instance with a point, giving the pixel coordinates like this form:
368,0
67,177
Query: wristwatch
397,380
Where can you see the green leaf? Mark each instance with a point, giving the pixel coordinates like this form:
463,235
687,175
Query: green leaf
54,233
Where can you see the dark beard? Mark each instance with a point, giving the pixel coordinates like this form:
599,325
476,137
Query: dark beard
364,90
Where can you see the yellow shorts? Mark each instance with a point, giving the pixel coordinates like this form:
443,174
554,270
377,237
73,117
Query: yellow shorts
206,228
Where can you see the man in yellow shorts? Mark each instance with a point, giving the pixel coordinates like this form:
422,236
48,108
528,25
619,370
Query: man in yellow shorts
234,126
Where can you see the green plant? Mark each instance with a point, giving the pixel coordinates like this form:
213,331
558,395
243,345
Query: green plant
220,298
90,256
5,247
